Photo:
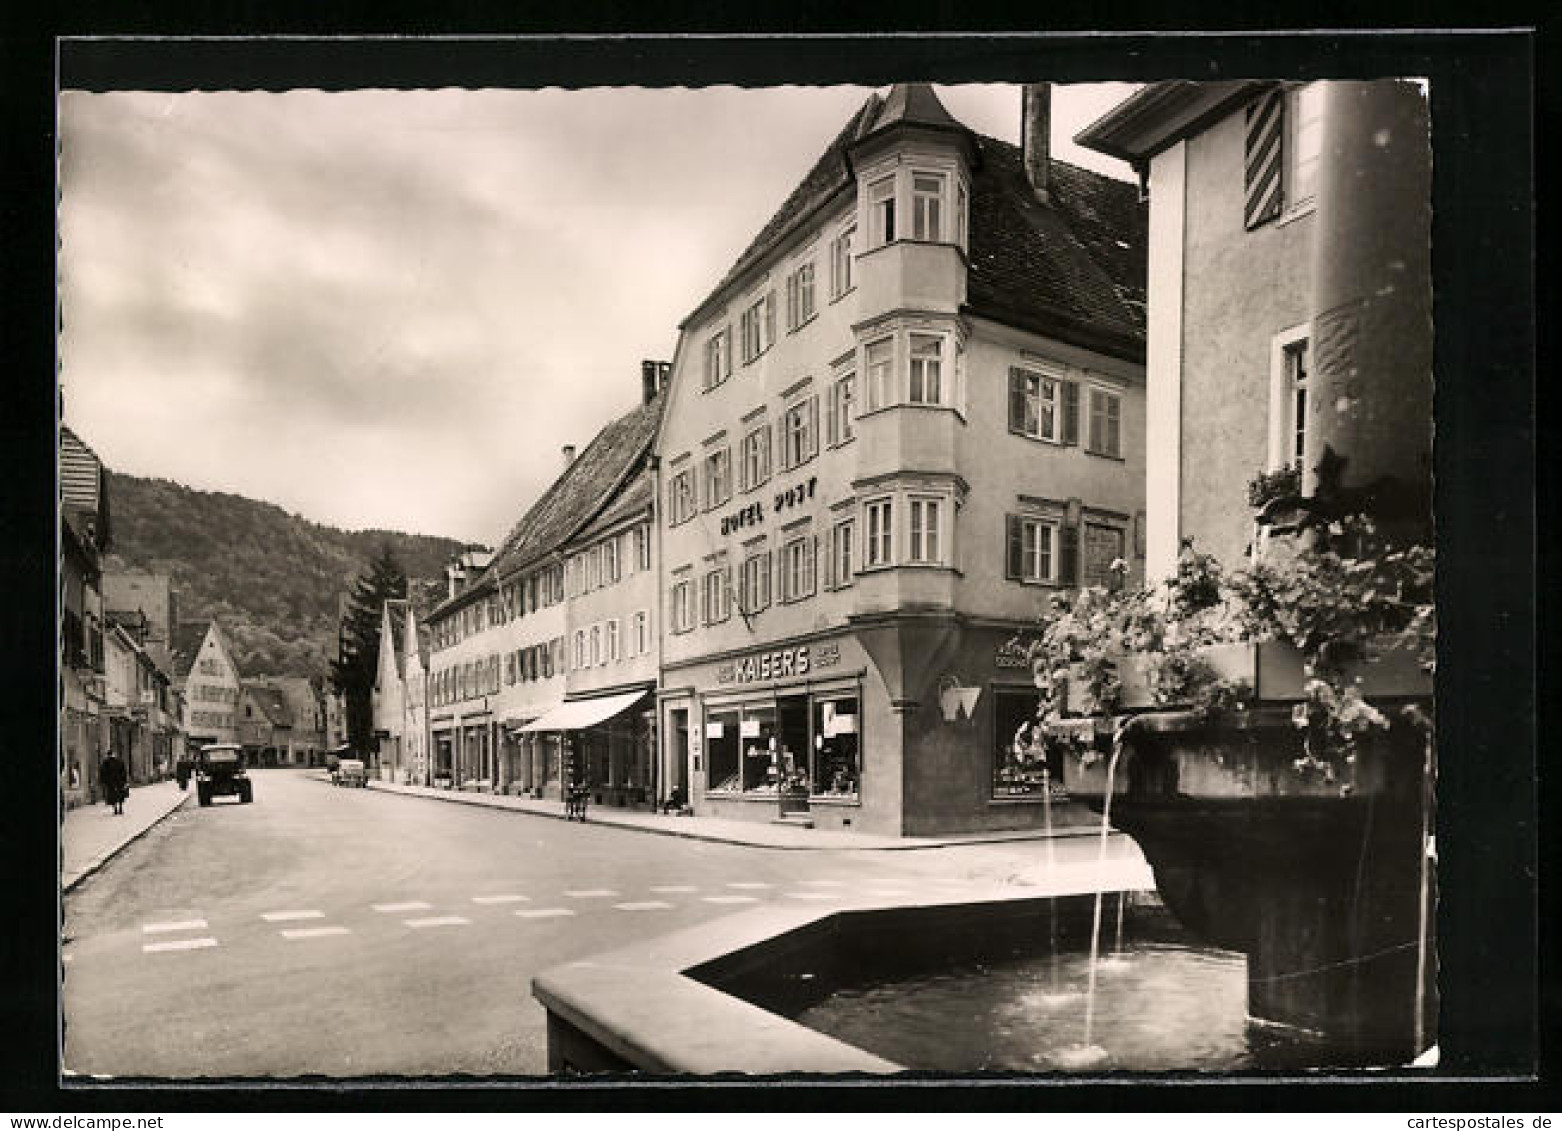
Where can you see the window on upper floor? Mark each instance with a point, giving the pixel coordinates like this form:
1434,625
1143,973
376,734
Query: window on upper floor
756,456
683,605
797,567
881,212
1105,434
754,581
840,409
924,529
879,364
1043,406
640,633
612,646
718,477
926,386
927,195
1304,132
1031,553
800,433
841,262
642,548
1104,544
800,296
757,327
718,358
878,525
680,496
1282,135
843,535
718,594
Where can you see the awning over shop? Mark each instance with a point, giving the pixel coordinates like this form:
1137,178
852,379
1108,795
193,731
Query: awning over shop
584,713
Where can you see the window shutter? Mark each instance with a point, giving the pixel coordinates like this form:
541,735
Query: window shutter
813,426
1014,557
813,565
770,319
1262,153
1017,400
1068,568
1071,412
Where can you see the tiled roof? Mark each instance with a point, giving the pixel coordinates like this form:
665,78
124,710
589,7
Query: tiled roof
577,495
636,496
83,487
272,704
1077,264
188,636
1074,268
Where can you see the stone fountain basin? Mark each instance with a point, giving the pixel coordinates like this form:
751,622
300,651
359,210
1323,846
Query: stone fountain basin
662,1006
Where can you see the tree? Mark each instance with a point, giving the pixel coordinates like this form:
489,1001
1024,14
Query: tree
354,669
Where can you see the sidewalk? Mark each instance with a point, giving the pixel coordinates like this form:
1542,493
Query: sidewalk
755,834
91,835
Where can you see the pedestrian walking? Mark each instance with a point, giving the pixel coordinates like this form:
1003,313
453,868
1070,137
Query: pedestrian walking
116,781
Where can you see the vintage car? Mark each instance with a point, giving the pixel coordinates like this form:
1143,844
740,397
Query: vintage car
350,771
219,772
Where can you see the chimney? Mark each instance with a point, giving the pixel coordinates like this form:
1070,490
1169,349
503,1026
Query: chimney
1036,139
569,455
653,378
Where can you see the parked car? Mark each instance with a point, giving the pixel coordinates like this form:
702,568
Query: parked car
219,772
350,771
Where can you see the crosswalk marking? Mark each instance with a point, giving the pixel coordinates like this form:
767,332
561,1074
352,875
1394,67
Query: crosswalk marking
645,905
749,885
674,889
182,925
179,944
592,893
545,913
291,916
438,921
313,932
731,899
392,907
500,899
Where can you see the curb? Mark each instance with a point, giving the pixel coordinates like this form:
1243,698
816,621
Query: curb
457,798
97,862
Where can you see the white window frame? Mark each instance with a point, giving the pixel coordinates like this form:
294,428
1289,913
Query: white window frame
925,372
718,358
1031,546
801,300
1047,396
755,449
682,604
879,389
757,326
1099,445
1283,426
928,208
611,653
716,590
799,569
840,406
642,633
718,476
924,530
755,575
841,268
882,206
1302,149
642,538
800,423
843,541
682,503
878,526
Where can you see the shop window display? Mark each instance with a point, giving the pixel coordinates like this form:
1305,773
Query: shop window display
1022,767
837,749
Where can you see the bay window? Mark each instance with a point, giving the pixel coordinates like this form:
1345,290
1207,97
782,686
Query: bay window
879,359
924,531
926,369
927,194
881,211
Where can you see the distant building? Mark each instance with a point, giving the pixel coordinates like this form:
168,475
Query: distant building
265,725
85,535
132,592
207,675
388,698
306,713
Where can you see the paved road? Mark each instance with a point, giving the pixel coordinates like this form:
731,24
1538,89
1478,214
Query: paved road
335,932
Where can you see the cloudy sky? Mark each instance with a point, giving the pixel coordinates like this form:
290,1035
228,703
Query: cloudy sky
391,308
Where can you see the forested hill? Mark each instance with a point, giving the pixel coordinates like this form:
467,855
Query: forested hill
272,579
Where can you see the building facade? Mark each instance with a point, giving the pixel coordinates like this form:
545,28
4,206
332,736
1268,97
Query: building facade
209,680
264,724
85,535
910,413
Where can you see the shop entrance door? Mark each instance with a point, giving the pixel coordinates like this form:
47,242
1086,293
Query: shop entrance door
792,744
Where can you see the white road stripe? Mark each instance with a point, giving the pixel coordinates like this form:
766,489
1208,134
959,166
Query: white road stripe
313,932
182,925
592,893
646,905
748,885
814,894
674,889
291,916
179,944
501,899
545,913
439,921
391,907
731,899
824,883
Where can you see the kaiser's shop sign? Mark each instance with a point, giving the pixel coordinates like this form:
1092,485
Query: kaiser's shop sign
766,665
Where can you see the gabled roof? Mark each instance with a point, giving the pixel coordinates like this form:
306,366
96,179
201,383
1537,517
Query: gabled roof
83,488
272,704
396,617
577,495
185,646
1074,267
